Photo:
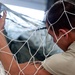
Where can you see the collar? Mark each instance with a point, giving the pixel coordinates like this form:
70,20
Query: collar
72,47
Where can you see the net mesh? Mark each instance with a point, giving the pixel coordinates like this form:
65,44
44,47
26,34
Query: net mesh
32,29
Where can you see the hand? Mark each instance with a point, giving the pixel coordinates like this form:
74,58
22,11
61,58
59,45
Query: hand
2,20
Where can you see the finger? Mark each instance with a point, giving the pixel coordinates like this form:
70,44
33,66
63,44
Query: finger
4,15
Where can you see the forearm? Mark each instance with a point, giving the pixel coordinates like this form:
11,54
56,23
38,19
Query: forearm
6,56
12,67
32,70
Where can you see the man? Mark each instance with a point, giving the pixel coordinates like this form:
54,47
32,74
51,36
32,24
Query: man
61,26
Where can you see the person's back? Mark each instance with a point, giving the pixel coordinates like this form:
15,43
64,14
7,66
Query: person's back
62,63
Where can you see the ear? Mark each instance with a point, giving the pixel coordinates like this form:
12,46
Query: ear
63,32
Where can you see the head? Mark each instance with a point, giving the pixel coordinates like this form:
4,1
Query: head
60,22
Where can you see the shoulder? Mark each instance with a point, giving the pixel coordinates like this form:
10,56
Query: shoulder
54,63
55,58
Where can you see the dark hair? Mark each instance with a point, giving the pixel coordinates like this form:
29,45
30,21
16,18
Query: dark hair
67,10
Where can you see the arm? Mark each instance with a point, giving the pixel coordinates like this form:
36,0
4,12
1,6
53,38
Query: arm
7,58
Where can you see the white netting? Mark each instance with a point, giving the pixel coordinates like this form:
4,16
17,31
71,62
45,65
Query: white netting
34,33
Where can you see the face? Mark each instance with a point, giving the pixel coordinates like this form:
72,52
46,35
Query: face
51,33
63,42
60,43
